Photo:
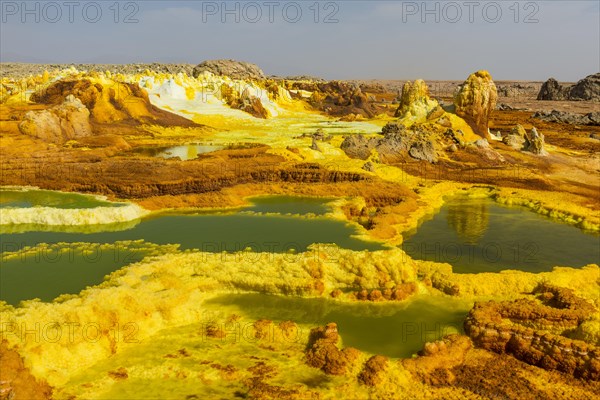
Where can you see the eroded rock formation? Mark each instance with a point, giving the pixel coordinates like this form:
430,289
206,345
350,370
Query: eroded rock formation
336,98
516,137
587,88
397,144
476,100
534,142
58,124
244,101
533,331
110,102
552,90
415,103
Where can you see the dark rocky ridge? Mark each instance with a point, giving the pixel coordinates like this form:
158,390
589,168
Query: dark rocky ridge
23,70
231,68
569,118
586,89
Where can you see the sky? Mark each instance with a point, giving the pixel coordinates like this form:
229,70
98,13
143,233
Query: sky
514,40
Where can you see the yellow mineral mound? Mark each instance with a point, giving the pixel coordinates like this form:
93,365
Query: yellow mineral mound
476,100
415,103
418,109
109,101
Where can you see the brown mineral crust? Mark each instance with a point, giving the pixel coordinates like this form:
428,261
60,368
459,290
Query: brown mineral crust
399,292
262,328
502,376
452,363
373,371
140,178
258,389
404,291
288,328
119,374
214,331
442,282
181,353
262,371
564,298
435,361
512,328
224,179
16,381
322,351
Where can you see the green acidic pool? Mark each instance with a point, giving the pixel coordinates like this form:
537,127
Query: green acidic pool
213,233
479,235
391,329
46,272
48,198
289,205
44,275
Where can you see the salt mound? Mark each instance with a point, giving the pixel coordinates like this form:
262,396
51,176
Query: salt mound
70,217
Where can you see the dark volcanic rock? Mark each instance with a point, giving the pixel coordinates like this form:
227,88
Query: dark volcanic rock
586,89
423,150
392,127
231,68
358,146
337,98
552,90
23,70
569,118
516,90
396,144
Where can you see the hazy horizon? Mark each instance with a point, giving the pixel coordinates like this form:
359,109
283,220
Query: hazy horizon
388,40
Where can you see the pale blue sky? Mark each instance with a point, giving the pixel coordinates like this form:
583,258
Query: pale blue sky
371,39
